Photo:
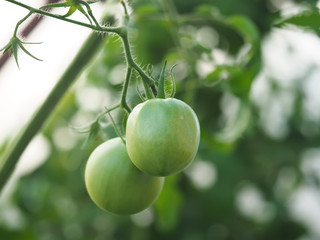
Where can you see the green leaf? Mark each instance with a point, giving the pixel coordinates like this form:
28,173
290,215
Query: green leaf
240,83
309,20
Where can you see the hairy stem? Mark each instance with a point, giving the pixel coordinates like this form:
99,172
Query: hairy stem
83,57
123,102
147,81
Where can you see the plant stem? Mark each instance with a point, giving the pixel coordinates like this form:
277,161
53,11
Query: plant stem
116,128
19,23
83,57
45,13
123,102
147,81
107,111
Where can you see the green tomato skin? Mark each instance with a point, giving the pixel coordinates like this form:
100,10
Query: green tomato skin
115,184
162,136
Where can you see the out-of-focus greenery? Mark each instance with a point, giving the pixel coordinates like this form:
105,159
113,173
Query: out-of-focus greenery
243,177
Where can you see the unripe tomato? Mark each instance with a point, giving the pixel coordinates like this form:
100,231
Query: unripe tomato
162,136
115,184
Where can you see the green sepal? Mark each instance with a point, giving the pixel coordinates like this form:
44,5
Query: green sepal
73,5
94,130
161,92
6,48
14,49
80,8
27,52
148,90
71,10
173,92
13,45
143,99
115,127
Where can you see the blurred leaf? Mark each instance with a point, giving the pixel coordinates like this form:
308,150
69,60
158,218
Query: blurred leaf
214,143
226,139
168,205
235,129
309,20
220,73
94,131
245,27
240,83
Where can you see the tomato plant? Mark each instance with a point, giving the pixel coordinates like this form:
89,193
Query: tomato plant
162,136
115,184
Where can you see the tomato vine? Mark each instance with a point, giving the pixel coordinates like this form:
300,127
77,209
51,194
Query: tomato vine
85,54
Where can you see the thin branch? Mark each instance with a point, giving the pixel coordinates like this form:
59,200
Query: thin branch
123,102
107,111
147,81
42,12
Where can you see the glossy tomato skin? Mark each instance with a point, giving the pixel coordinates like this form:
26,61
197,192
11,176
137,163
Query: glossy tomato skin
115,184
162,136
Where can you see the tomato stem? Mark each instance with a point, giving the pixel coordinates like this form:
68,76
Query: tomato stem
123,102
148,82
106,111
116,127
20,22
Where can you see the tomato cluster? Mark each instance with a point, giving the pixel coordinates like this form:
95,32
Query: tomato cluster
162,138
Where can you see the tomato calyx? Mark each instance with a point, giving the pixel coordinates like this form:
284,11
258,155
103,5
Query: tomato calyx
162,84
161,92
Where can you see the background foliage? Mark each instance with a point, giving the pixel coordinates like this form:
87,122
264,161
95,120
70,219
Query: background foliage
249,162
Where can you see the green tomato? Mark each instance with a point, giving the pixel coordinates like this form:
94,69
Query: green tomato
115,184
162,136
